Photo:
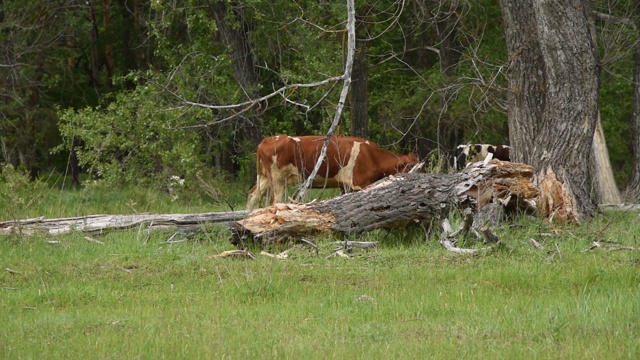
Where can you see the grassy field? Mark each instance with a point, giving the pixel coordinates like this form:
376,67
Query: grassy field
136,296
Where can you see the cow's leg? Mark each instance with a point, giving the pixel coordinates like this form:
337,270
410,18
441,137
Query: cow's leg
281,179
257,192
278,189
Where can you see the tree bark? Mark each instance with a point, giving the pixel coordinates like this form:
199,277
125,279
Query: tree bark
392,202
607,191
94,75
233,32
553,102
450,131
360,78
234,36
360,93
109,54
633,188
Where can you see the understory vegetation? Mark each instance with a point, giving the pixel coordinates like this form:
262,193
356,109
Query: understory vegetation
132,294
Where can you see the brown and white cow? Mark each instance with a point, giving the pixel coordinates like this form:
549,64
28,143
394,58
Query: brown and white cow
466,154
351,163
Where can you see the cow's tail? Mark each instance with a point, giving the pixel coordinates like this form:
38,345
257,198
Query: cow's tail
258,168
255,189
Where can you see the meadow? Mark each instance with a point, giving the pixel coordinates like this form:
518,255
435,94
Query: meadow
133,295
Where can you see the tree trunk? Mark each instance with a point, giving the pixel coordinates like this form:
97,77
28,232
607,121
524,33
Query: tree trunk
393,202
233,32
633,188
94,75
553,103
108,46
360,93
604,183
450,132
360,83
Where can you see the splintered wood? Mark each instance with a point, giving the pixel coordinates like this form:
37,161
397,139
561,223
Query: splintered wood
297,219
556,198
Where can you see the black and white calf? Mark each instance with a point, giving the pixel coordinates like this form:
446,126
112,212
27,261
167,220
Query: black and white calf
466,154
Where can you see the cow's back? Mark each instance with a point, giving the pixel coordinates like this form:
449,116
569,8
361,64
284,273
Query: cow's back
351,163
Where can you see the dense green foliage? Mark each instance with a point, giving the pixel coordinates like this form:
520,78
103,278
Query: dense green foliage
138,88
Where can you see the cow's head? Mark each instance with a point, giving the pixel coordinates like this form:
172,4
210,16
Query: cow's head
407,162
461,155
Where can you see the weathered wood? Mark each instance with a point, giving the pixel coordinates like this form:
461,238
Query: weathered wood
98,223
393,202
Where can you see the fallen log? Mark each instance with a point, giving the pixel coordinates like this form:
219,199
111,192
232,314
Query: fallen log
393,202
99,223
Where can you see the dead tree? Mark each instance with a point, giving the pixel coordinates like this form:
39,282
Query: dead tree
393,202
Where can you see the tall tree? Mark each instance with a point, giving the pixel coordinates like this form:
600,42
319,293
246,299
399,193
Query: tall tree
233,29
30,32
360,82
553,98
633,188
450,51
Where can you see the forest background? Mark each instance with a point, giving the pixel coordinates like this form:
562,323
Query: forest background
140,92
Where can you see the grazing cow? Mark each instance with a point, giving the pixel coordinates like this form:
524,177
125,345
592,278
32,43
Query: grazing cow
466,154
351,163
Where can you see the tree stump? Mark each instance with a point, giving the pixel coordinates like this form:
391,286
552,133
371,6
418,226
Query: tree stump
393,202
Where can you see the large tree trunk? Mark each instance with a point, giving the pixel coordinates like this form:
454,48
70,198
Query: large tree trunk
553,103
393,202
633,188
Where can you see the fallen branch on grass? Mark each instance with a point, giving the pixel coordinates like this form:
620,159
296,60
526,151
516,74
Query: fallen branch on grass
610,246
359,244
536,244
90,239
348,246
281,256
243,254
448,236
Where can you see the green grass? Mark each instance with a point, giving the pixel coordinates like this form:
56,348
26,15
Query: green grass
138,297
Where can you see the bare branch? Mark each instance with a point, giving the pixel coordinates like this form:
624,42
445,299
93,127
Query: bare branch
249,104
351,48
615,19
